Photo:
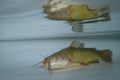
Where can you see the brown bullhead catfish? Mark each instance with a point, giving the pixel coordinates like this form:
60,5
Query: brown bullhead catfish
76,55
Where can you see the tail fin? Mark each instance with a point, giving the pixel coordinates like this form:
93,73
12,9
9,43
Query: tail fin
104,9
106,55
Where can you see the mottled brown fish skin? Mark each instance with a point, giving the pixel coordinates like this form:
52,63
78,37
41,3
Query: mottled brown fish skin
84,55
71,56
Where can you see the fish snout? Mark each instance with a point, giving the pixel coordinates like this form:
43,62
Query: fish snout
45,63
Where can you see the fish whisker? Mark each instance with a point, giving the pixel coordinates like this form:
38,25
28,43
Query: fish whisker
37,64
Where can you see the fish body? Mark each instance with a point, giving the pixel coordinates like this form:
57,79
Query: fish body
75,55
72,56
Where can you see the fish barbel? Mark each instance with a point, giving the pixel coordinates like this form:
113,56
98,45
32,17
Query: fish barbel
74,56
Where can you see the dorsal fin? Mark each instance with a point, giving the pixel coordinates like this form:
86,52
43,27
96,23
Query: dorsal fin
77,44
